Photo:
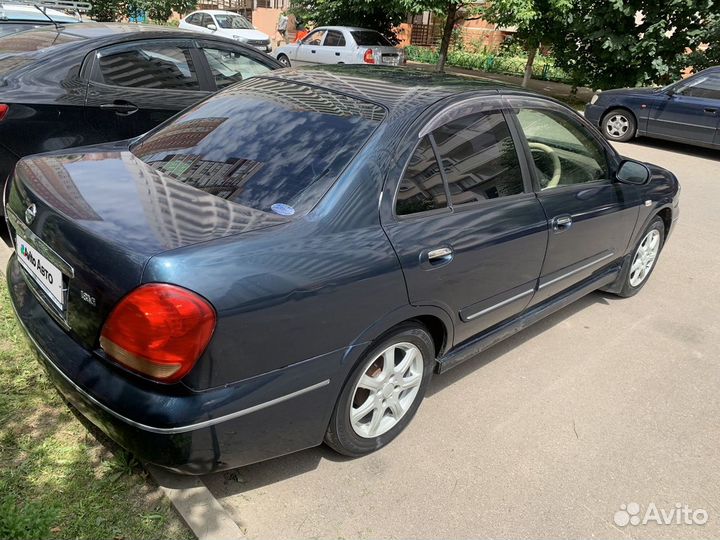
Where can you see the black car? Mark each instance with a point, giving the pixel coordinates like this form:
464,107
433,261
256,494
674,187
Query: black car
88,83
687,111
290,260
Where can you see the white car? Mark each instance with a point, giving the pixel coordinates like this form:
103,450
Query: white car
341,45
19,17
229,25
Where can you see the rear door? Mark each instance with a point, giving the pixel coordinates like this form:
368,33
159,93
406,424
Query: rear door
591,217
137,85
690,113
470,234
333,50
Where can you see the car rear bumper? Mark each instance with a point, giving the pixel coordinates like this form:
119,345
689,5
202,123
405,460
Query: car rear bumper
174,427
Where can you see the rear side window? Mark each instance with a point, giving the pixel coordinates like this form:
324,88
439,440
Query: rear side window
369,38
334,39
479,158
157,65
275,146
479,162
421,188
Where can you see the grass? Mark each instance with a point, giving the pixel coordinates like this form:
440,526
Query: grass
56,479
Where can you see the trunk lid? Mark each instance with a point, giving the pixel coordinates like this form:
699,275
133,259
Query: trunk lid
86,224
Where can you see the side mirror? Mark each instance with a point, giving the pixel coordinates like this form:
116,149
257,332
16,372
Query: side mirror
633,172
211,27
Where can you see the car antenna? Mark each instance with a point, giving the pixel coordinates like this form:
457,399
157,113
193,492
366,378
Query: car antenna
67,5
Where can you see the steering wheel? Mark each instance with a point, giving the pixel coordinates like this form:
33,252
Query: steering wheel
557,167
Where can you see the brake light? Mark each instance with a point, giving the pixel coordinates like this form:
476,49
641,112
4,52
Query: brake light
159,330
3,111
369,57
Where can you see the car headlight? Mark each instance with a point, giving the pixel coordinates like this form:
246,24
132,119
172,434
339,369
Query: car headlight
594,99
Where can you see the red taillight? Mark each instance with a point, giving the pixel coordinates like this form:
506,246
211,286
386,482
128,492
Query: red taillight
159,330
369,57
3,111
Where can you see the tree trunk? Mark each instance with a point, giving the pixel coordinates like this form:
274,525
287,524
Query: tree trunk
452,8
532,52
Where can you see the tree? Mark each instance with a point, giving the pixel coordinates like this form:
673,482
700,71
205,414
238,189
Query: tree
538,22
107,10
380,15
157,10
453,11
615,43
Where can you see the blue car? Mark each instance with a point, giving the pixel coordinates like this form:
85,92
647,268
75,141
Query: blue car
687,111
291,260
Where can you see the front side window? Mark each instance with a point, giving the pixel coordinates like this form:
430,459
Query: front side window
193,19
421,188
229,67
206,20
334,39
270,145
702,86
563,152
479,158
161,66
315,38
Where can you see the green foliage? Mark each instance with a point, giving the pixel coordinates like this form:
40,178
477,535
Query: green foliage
157,10
630,42
379,15
509,64
28,521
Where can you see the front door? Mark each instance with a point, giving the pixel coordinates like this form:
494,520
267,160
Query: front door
136,86
691,112
471,236
308,48
591,217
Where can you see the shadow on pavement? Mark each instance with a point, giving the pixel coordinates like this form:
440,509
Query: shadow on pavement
251,477
677,148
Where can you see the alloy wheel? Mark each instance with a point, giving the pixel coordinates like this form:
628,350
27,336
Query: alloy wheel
386,390
645,257
617,125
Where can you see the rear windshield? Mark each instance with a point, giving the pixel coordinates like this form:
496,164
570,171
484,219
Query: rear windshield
34,40
271,145
368,38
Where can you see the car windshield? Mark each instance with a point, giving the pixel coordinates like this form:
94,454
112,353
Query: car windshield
370,38
236,22
271,145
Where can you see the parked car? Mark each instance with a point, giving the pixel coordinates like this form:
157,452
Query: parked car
687,111
290,260
19,17
91,83
228,25
341,45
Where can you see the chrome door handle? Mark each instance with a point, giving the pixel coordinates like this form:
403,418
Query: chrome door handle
439,253
561,223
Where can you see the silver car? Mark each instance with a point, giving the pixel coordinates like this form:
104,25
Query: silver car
341,45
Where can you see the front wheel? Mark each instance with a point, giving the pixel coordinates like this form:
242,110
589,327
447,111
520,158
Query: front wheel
383,392
640,266
284,60
618,125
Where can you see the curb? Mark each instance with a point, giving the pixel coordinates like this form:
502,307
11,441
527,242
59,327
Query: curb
202,512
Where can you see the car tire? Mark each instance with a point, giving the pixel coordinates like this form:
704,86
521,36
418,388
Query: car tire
640,264
284,60
388,395
618,125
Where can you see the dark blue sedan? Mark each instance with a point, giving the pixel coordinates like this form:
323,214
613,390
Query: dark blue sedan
291,260
687,111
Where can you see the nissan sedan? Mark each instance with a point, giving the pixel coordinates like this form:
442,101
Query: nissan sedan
291,261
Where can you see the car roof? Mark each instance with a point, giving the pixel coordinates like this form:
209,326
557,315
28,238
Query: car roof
397,89
347,28
20,12
218,12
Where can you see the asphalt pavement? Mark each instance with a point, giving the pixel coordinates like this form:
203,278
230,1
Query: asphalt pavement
555,432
